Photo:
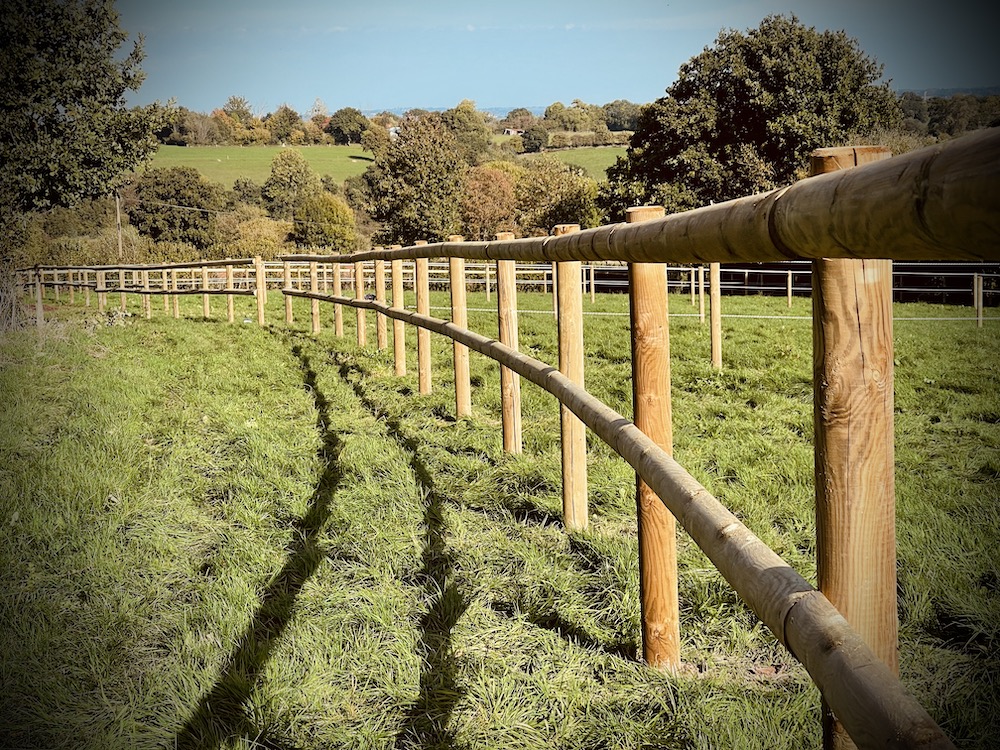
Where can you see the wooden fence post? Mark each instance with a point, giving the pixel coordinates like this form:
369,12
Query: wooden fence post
978,283
789,285
569,293
147,306
593,291
381,328
715,306
338,309
314,303
175,296
230,312
359,312
39,306
260,288
165,284
55,283
70,277
460,317
398,327
85,278
486,277
652,406
510,381
853,412
206,309
692,287
286,281
121,286
701,294
423,335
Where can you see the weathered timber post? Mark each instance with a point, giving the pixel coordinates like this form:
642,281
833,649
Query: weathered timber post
39,306
286,282
314,303
147,306
460,317
692,287
206,309
701,294
853,412
165,285
569,293
789,289
70,276
593,292
260,289
121,287
230,312
175,296
423,335
486,276
652,406
715,307
381,328
325,278
398,327
55,283
85,278
338,309
510,381
359,312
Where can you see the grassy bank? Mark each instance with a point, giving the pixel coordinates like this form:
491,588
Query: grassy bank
216,536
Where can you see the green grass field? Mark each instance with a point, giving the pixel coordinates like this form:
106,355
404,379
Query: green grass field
226,536
223,164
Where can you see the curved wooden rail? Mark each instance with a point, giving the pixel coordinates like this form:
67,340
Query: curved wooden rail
872,704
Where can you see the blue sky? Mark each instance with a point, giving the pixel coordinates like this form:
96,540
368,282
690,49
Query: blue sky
381,54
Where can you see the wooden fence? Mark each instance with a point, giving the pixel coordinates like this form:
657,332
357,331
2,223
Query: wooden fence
940,203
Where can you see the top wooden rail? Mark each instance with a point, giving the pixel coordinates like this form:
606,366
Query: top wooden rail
937,203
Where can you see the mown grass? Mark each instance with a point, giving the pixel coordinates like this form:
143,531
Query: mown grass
594,161
222,536
223,164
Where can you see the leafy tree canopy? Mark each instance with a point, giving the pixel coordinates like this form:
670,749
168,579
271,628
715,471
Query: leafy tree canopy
414,186
744,115
66,133
176,204
290,183
324,220
347,125
470,129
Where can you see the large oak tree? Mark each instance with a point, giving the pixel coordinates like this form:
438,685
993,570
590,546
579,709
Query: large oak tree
744,115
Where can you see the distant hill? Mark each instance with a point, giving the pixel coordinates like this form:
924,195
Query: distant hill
945,93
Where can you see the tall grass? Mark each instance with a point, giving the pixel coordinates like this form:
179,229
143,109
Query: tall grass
227,536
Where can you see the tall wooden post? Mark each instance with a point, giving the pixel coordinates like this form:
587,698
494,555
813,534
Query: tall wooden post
978,281
789,289
486,278
855,485
260,289
39,306
102,295
147,306
206,310
692,286
381,329
286,282
701,294
338,310
121,286
715,305
85,278
359,312
314,303
569,291
230,312
423,335
71,280
175,296
510,381
593,288
652,406
460,317
165,284
398,327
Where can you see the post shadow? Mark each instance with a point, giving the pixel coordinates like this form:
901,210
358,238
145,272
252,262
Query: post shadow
221,712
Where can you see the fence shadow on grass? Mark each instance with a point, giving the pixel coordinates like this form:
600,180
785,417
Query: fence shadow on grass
426,723
221,712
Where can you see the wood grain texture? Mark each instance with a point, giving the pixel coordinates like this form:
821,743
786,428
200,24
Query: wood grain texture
423,335
381,326
574,436
460,352
510,381
715,308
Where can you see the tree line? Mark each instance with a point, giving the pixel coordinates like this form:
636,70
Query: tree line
236,124
741,117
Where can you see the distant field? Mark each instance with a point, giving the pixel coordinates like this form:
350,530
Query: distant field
594,160
224,164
